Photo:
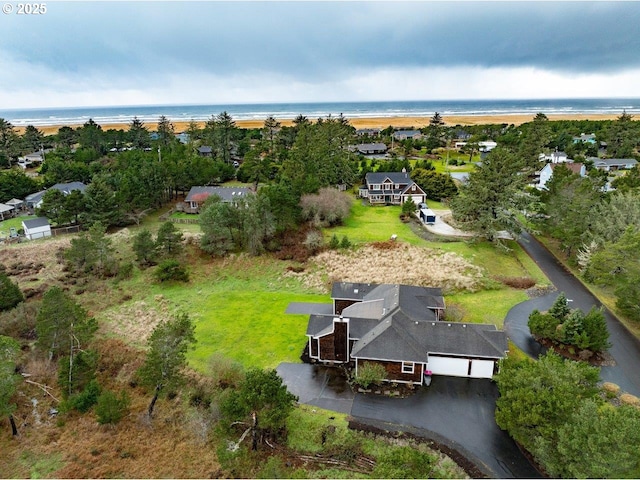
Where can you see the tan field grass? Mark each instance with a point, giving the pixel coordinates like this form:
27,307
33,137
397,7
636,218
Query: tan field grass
404,264
373,122
35,253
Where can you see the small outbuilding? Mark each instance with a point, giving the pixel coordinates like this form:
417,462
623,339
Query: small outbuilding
6,211
36,228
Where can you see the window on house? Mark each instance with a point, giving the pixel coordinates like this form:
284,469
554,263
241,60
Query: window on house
407,367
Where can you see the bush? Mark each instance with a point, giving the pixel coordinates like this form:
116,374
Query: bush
86,399
334,243
314,241
326,208
111,408
10,294
224,371
125,271
171,270
20,322
370,373
345,243
518,282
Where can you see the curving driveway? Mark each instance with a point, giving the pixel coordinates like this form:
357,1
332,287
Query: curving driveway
625,348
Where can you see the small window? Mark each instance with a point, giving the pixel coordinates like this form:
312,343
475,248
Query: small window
407,367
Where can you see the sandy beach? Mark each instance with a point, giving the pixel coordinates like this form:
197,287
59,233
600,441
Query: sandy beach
374,122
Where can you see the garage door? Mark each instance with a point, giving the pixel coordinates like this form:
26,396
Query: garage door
481,368
456,367
417,199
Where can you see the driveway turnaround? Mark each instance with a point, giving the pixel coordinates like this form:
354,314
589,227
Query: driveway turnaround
625,348
455,412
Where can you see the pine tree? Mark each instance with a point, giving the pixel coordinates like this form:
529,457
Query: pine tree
10,293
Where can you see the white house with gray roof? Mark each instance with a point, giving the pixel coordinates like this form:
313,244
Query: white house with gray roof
612,164
34,200
36,228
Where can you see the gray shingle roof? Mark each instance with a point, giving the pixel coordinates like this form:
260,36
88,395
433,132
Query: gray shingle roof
227,194
35,222
400,338
395,177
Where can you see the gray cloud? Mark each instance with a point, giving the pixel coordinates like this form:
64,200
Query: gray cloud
141,46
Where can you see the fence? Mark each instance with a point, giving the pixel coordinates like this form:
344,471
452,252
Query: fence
64,230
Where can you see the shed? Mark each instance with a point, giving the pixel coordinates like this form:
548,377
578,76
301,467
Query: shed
6,211
36,228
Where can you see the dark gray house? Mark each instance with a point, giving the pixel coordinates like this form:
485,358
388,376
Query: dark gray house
371,148
401,328
34,200
391,188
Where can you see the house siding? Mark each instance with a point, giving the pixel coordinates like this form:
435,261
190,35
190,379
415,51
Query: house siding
394,371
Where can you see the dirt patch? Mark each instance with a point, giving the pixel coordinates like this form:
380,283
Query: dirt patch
35,261
398,264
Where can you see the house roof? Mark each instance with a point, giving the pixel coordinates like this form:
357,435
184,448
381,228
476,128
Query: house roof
394,177
399,323
574,167
205,149
408,133
67,188
371,146
35,223
613,162
5,208
227,194
400,338
14,202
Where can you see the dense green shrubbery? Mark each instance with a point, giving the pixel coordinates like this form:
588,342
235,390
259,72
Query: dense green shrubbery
571,327
10,294
171,270
552,407
370,373
110,408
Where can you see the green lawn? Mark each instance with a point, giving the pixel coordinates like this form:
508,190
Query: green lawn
238,309
13,223
374,224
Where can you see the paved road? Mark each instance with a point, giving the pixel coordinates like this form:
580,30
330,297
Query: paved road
626,347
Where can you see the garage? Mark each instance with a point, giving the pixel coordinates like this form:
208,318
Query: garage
482,368
456,367
461,367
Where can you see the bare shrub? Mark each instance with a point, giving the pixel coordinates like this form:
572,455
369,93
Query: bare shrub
314,241
20,322
454,313
326,208
628,399
521,283
611,387
225,372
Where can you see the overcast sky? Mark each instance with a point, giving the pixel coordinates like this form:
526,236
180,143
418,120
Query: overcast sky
87,53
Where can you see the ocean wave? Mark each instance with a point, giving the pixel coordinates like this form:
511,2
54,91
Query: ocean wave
287,111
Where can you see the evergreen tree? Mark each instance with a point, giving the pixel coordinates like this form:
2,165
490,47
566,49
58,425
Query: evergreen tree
145,247
63,326
489,202
138,135
9,350
169,240
10,293
166,357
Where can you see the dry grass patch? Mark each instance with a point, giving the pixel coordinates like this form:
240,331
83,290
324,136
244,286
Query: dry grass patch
628,399
40,258
135,321
611,387
399,264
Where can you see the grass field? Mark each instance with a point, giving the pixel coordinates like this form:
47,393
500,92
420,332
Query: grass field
16,223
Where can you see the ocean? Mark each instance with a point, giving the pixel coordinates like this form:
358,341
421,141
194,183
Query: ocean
284,111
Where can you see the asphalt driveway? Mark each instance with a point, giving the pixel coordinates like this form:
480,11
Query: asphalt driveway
625,348
456,412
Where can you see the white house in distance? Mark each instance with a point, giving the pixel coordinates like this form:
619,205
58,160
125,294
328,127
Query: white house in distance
36,228
485,146
554,157
547,172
